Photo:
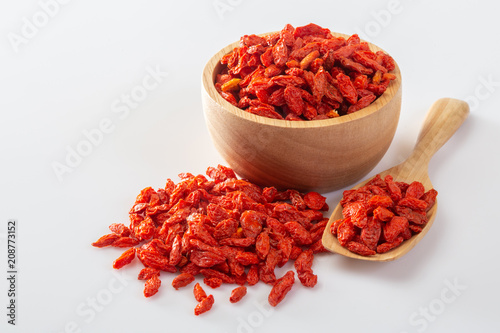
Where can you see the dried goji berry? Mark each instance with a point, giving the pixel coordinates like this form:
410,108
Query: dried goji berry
213,282
199,293
151,286
397,211
182,280
299,234
281,287
237,294
205,305
124,259
105,240
147,272
226,229
120,229
359,248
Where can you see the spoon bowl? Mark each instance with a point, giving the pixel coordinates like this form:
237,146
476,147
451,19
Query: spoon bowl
443,119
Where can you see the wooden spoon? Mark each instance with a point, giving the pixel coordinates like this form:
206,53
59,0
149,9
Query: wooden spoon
443,119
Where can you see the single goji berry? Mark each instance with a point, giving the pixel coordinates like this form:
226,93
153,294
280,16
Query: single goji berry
281,288
151,286
124,259
182,280
205,305
237,294
199,293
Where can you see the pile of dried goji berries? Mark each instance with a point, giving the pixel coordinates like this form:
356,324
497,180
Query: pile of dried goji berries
303,73
225,229
382,214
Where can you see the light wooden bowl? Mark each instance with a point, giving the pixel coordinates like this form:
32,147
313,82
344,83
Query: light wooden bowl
320,155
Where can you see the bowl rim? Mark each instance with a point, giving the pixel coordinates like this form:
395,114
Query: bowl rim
209,87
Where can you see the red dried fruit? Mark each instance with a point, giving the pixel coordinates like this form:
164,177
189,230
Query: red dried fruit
384,247
346,231
213,282
359,248
199,293
311,58
151,286
105,240
281,287
382,214
125,258
182,280
147,272
314,200
370,235
226,229
120,229
205,305
206,258
346,88
237,294
299,234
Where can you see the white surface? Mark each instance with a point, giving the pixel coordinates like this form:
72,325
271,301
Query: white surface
72,74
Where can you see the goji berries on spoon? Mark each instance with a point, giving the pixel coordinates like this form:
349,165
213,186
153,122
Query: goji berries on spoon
442,121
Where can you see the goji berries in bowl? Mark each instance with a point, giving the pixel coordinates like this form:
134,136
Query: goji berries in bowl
310,143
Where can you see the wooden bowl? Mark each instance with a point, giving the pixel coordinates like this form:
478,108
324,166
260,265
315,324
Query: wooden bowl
319,155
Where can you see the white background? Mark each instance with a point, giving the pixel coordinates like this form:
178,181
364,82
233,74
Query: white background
71,72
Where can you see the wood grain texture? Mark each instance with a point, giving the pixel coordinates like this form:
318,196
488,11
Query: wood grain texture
443,119
321,155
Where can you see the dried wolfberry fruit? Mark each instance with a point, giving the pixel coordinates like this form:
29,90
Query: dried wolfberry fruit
430,198
361,103
154,260
120,229
382,214
370,234
251,223
293,98
380,201
359,248
346,88
182,280
205,305
281,287
237,294
240,242
147,272
206,258
397,211
253,275
247,258
335,225
415,190
299,234
199,293
231,85
411,202
151,286
384,247
105,240
306,54
226,229
394,228
346,231
213,282
124,259
314,200
209,273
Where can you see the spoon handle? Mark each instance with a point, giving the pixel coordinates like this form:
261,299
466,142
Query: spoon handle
443,119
